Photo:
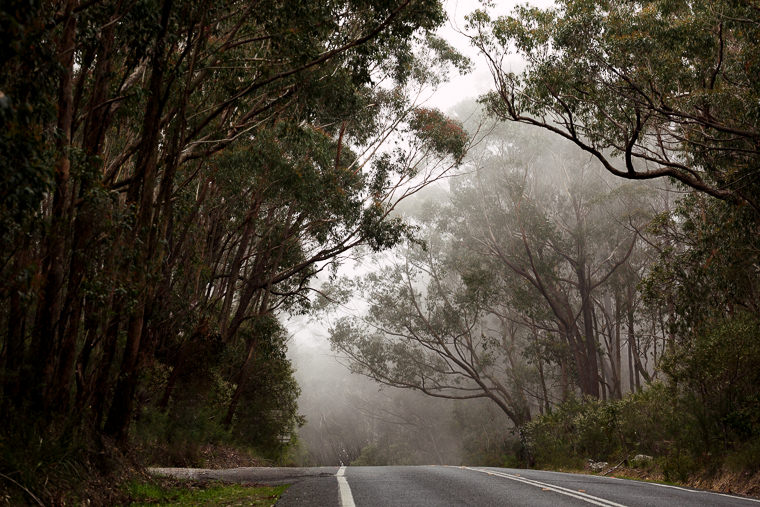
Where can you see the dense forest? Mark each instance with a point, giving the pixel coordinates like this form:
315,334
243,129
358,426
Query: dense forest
174,173
576,257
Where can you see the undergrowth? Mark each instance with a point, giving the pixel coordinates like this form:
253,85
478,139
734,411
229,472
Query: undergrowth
653,431
186,493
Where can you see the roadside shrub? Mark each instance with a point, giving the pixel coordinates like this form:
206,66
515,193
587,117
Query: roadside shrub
641,423
553,439
707,416
678,466
182,409
715,374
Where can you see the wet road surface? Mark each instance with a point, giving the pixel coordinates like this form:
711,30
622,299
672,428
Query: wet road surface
428,486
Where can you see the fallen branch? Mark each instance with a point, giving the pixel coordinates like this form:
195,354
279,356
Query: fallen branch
39,502
615,467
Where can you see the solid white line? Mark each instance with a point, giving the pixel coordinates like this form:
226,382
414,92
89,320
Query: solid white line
346,498
551,487
687,490
735,497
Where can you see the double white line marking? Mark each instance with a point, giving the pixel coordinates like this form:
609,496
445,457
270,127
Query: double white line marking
346,498
594,500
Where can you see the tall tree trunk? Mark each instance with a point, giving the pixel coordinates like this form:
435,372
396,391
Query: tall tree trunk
47,322
60,391
616,350
92,319
101,385
14,353
602,379
95,126
564,380
631,365
634,351
591,375
122,402
141,191
234,273
545,405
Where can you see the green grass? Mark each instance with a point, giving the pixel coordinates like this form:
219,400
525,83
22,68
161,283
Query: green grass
211,493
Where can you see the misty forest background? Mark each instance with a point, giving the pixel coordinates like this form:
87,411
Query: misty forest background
566,269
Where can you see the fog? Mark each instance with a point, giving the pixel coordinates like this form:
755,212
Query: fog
521,194
520,353
352,419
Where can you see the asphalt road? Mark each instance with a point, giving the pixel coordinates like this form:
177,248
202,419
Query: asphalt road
427,486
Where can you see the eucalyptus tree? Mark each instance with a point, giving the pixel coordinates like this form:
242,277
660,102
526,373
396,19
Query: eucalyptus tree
428,328
560,233
706,279
522,290
297,208
670,89
195,162
669,86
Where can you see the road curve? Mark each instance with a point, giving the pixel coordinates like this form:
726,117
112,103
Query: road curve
428,486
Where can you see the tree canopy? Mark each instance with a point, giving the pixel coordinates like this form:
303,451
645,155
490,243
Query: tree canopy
525,290
669,86
172,175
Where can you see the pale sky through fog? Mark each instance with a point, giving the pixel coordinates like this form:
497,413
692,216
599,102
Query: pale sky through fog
478,81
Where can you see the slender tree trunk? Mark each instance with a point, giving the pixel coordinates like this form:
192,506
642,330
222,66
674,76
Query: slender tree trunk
634,351
617,350
141,191
101,384
631,365
234,273
14,353
242,379
604,387
47,322
654,343
92,320
60,391
544,406
564,381
591,375
263,309
121,404
602,379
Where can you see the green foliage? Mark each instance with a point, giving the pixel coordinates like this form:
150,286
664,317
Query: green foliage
577,430
668,85
172,173
716,375
26,106
684,432
707,276
445,135
43,462
679,466
657,88
707,266
267,416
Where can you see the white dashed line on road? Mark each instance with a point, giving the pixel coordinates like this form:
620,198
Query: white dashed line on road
346,498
